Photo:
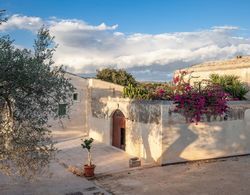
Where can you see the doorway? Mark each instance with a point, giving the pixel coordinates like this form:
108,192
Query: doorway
119,130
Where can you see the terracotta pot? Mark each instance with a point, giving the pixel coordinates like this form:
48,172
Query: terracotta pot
89,170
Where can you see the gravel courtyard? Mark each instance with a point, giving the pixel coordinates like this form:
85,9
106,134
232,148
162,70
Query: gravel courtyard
225,176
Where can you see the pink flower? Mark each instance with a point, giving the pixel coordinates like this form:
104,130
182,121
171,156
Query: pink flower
188,88
161,92
211,100
176,79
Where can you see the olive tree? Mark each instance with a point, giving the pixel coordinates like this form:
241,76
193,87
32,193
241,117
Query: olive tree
31,87
2,17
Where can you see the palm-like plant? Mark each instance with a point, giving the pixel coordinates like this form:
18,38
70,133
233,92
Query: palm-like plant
231,84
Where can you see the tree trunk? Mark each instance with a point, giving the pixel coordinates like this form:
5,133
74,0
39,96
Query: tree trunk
89,159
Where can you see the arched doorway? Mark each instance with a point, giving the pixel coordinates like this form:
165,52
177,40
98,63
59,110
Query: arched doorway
119,131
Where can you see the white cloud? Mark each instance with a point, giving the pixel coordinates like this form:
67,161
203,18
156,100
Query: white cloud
222,28
84,47
69,25
22,22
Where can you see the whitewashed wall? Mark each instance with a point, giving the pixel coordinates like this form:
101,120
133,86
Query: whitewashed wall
156,134
75,123
142,139
86,113
219,138
98,124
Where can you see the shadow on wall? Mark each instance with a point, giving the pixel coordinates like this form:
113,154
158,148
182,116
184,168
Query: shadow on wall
145,135
185,142
97,121
98,98
139,135
168,139
182,139
148,122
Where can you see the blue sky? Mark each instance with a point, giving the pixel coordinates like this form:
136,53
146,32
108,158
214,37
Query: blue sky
144,16
143,31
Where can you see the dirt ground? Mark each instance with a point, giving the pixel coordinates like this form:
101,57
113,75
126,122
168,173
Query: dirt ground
224,176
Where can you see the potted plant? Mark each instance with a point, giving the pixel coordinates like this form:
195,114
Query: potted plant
88,168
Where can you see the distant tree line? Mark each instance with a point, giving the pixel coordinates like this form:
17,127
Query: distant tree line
117,76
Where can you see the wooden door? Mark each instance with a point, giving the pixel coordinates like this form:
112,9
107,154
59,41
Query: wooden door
119,132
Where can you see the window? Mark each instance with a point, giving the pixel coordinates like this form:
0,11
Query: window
62,109
75,96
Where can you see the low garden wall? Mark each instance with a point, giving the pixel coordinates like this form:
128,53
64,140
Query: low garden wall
220,137
156,133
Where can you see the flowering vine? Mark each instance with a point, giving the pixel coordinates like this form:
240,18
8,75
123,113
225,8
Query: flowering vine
195,101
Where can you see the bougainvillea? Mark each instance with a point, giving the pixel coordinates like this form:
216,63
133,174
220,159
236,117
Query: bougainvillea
204,99
193,101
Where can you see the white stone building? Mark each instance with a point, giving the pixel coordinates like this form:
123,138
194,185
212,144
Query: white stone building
88,93
149,129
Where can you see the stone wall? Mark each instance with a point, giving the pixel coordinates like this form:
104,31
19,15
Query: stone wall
143,127
218,138
157,134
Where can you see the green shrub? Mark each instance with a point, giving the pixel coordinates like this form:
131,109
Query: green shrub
119,76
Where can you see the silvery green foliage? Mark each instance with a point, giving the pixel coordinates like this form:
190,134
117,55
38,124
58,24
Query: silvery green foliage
31,88
2,16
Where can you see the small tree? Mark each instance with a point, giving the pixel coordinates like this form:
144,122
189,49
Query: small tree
120,77
87,144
